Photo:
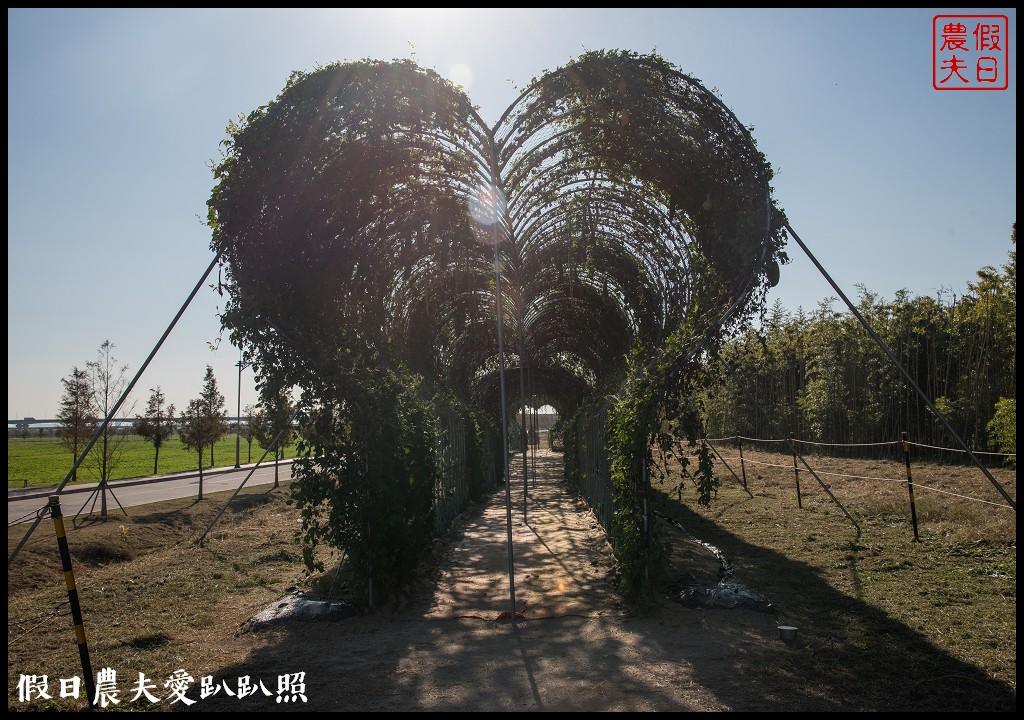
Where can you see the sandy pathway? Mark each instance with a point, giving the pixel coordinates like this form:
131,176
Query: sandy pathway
561,557
573,649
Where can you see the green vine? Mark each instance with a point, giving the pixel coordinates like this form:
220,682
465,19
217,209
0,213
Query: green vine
640,550
657,410
365,479
361,222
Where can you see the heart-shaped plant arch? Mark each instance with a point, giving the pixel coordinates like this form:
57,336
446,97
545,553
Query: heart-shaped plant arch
361,215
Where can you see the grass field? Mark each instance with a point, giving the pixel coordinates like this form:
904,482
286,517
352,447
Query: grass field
886,623
44,461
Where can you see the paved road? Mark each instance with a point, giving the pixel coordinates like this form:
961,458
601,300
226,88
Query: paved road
22,504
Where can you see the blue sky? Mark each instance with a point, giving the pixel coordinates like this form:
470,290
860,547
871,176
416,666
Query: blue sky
115,116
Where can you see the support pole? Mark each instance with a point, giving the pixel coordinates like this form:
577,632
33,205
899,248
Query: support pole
727,465
643,479
526,434
796,472
76,609
743,466
238,413
117,405
504,406
910,486
94,495
273,444
369,523
772,424
533,436
536,438
906,375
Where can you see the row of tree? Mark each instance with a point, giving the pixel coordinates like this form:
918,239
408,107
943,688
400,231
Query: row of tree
821,376
91,393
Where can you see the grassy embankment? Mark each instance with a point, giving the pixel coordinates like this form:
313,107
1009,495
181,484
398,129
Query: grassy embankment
44,461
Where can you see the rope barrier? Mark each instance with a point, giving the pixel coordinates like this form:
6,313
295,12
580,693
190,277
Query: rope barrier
519,616
761,440
842,445
976,452
46,617
862,477
901,481
903,371
31,513
962,497
874,444
756,462
822,472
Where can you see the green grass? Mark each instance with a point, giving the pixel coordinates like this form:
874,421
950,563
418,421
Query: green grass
45,462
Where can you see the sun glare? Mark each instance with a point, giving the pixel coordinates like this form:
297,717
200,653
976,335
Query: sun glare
461,75
486,205
434,32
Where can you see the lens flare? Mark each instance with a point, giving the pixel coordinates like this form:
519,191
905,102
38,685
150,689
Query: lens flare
461,74
487,205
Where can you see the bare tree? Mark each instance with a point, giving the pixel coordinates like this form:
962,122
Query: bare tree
77,414
108,381
158,423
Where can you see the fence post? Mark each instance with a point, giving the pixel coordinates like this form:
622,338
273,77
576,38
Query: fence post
369,530
76,609
910,485
643,465
743,467
796,472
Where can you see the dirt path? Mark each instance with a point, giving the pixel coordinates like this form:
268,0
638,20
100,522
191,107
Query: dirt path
573,649
561,557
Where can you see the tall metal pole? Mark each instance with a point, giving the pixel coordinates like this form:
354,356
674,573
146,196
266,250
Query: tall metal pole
534,435
522,396
117,406
238,414
504,410
906,375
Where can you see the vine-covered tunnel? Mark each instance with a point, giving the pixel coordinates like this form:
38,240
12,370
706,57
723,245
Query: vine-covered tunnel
397,260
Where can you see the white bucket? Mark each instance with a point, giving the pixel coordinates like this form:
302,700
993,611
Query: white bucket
787,633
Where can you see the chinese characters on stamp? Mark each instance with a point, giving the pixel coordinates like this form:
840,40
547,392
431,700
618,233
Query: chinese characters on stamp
970,52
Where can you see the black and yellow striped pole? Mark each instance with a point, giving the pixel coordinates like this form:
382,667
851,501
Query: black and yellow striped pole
910,486
76,610
796,472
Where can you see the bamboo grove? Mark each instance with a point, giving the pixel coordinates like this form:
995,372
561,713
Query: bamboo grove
819,375
369,222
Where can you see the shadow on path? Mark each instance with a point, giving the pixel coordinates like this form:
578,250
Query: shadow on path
578,650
